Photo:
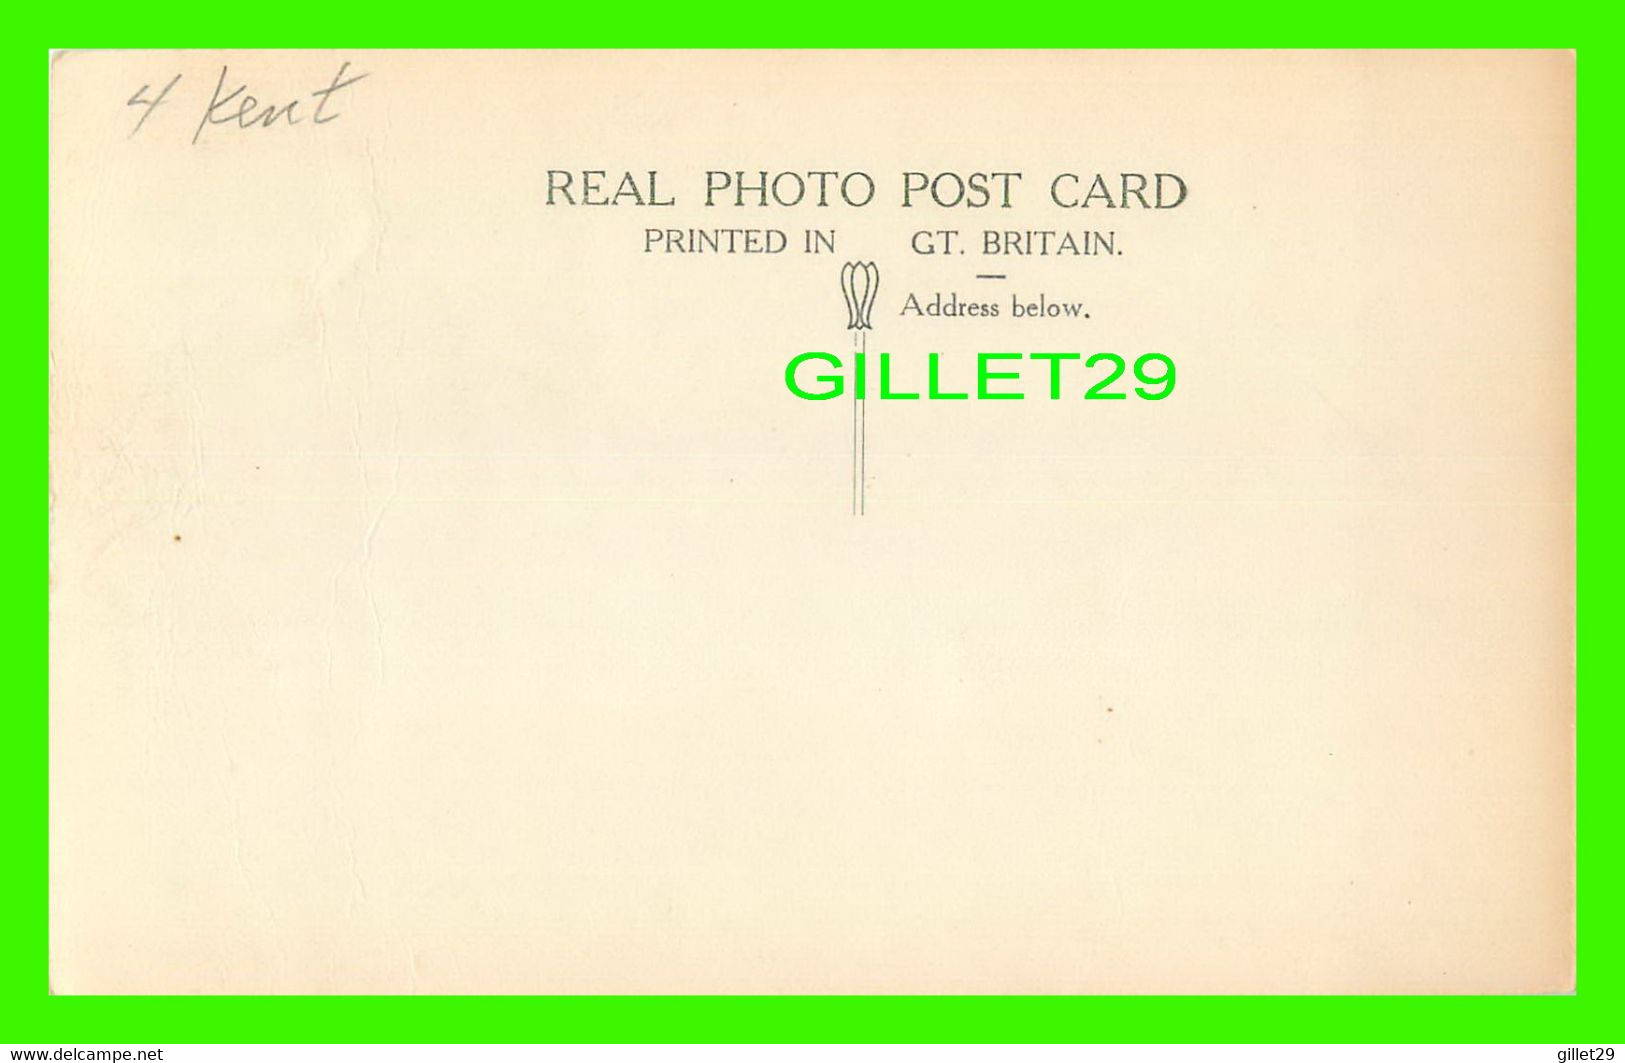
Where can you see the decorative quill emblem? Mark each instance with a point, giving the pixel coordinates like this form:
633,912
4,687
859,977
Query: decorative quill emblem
859,283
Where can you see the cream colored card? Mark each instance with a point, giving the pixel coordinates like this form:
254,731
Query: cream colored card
449,595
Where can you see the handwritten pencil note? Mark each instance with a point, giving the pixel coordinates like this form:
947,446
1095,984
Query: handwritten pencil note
240,109
811,522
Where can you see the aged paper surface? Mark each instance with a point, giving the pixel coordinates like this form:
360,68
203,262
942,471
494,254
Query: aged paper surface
448,595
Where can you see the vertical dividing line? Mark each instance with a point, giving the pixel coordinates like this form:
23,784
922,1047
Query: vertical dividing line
863,432
854,437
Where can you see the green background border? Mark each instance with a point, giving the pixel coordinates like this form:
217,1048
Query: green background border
28,1014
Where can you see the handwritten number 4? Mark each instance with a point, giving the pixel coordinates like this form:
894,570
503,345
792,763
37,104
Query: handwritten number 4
150,105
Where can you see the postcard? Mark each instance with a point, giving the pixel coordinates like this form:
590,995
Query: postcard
812,522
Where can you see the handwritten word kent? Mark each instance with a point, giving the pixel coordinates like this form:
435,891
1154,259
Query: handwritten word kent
240,109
